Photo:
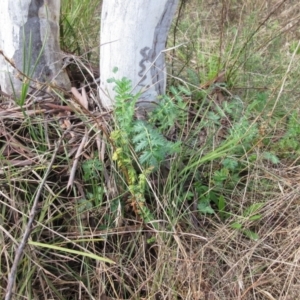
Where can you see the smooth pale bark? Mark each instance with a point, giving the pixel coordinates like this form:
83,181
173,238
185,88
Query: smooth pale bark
133,36
29,37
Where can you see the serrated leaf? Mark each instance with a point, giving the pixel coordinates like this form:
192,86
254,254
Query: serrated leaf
184,90
230,163
271,157
253,209
214,117
205,207
173,90
140,146
220,175
189,195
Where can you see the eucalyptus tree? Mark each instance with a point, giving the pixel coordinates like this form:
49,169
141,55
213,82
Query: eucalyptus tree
133,39
29,45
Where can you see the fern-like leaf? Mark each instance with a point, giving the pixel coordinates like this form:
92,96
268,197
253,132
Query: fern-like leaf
150,145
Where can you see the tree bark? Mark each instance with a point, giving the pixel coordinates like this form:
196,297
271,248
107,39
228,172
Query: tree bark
133,36
29,37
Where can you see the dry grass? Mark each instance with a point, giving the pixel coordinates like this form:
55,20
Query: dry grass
189,255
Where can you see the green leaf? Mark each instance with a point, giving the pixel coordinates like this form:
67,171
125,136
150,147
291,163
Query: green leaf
220,175
236,225
200,188
221,204
150,145
110,80
227,107
91,168
271,157
251,235
213,117
184,90
205,208
84,205
230,163
252,209
255,218
151,240
173,90
189,195
67,250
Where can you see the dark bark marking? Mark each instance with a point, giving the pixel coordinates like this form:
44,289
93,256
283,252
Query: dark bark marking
159,44
31,29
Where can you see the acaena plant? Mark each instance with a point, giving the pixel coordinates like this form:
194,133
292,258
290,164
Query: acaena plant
136,143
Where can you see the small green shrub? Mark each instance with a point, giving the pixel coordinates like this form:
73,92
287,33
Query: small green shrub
139,143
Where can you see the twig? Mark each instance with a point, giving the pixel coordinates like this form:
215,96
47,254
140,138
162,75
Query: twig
19,252
75,163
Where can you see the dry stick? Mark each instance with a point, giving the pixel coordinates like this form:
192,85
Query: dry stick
19,252
77,156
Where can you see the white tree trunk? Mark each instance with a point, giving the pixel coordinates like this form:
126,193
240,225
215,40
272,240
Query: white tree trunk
29,37
133,36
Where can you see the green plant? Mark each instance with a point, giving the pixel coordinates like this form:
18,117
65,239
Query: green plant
91,175
206,197
79,27
249,215
170,109
28,67
227,161
139,143
289,144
